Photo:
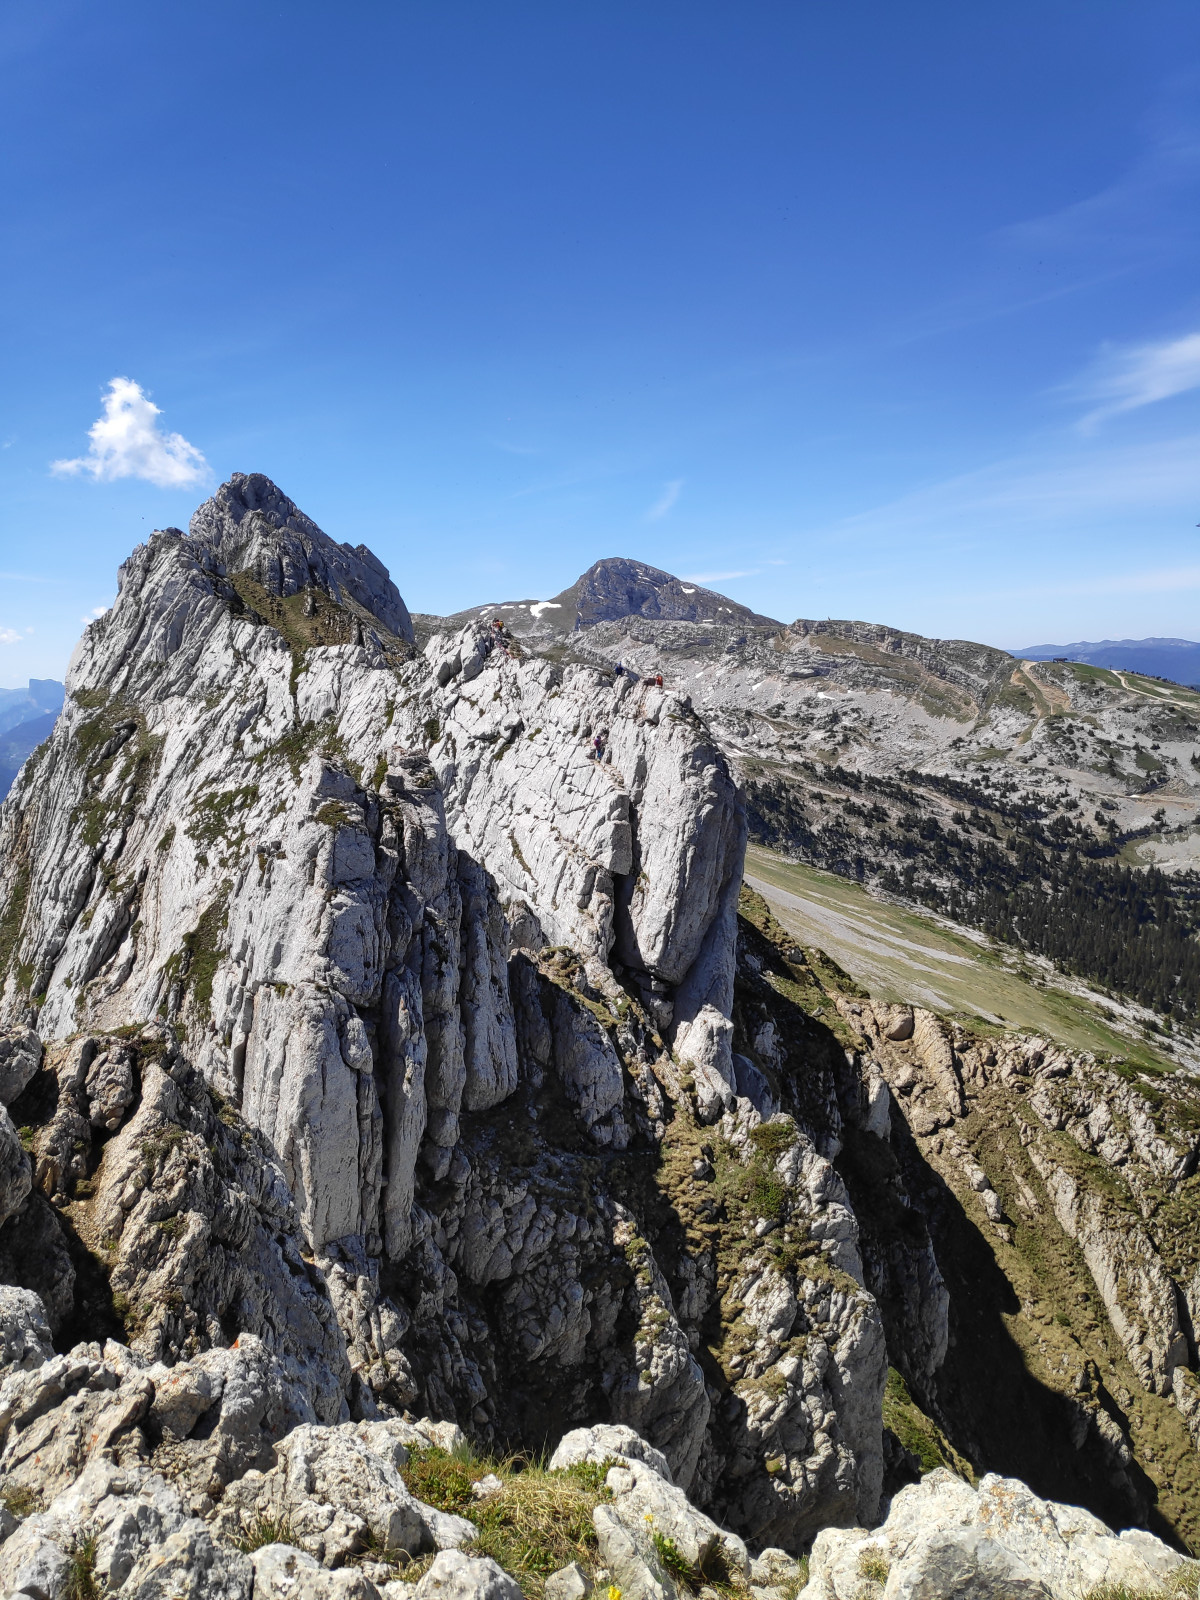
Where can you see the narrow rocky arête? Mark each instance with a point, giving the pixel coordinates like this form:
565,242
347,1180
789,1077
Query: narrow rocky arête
370,1056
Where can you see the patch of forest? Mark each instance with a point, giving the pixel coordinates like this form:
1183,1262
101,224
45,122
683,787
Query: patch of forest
1037,879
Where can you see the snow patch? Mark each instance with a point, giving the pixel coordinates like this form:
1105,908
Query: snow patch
545,605
686,590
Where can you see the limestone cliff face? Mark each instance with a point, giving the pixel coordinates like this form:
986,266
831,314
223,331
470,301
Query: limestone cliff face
472,992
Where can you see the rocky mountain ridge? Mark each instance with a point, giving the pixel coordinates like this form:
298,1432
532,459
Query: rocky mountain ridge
379,1046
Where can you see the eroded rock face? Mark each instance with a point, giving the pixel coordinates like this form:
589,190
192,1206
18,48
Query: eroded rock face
1069,1181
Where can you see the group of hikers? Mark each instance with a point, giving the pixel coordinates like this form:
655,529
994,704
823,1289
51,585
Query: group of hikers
621,668
600,739
494,638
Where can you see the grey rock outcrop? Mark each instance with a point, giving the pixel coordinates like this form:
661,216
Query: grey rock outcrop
20,1057
281,1572
996,1542
455,1576
336,1495
249,526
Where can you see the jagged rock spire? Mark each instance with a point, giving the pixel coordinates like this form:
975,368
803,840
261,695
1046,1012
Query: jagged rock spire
250,525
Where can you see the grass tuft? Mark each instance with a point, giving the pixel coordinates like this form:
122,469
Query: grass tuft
873,1565
536,1523
82,1583
266,1530
21,1500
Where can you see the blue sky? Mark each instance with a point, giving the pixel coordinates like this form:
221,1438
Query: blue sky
860,310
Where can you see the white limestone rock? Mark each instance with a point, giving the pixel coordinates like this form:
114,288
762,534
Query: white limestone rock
334,1494
20,1058
642,1499
33,1567
607,1441
56,1417
996,1542
568,1583
16,1179
125,1512
281,1572
628,1553
455,1576
25,1340
191,1565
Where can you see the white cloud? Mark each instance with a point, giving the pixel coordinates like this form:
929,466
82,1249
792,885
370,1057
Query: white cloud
126,442
1124,380
96,611
719,577
9,636
665,500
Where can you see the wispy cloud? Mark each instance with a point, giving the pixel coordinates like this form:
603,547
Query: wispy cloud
512,449
720,577
1138,375
9,636
1050,491
127,442
670,494
1153,580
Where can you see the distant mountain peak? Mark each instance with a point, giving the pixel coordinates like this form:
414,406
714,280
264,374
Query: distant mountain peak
617,587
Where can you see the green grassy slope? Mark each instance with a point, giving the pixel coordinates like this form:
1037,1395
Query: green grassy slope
901,954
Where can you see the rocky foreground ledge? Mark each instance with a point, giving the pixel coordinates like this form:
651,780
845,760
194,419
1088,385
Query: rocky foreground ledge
335,1514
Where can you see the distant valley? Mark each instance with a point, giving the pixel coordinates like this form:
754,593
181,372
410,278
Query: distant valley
1177,659
27,716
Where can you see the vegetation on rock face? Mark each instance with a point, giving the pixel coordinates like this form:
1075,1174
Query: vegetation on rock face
917,1433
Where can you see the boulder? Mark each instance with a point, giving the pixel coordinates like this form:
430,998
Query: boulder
628,1553
281,1572
20,1057
125,1511
774,1568
607,1441
455,1576
191,1565
58,1416
996,1542
33,1566
336,1496
568,1583
646,1502
24,1332
16,1177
